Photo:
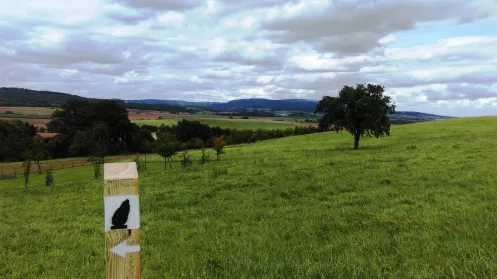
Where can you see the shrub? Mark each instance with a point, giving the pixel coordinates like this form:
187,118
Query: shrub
205,158
49,180
9,112
218,144
186,161
139,165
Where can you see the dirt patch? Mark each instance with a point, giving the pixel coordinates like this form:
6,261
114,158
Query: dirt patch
47,135
153,115
37,122
28,110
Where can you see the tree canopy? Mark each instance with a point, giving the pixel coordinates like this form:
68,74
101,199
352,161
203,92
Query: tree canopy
77,119
360,110
15,138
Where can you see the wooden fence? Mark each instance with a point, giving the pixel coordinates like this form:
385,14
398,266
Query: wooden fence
12,170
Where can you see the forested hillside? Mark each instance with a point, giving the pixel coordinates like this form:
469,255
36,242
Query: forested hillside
20,97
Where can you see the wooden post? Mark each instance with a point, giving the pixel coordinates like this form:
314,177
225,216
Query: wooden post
122,220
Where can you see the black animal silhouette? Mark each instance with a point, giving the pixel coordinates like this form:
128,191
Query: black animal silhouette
120,217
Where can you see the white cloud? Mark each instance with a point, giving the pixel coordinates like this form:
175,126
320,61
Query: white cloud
211,6
223,49
248,22
216,46
387,39
314,61
174,18
265,79
68,72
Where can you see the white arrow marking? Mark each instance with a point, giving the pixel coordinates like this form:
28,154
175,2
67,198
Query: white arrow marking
123,248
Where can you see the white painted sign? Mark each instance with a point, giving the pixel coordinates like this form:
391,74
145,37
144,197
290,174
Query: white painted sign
123,248
121,213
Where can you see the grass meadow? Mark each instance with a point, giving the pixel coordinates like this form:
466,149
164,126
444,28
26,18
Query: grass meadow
418,204
241,124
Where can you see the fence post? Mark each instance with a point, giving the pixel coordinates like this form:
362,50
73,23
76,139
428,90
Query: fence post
122,220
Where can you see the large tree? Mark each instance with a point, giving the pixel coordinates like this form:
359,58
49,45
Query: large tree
77,117
166,146
15,138
360,111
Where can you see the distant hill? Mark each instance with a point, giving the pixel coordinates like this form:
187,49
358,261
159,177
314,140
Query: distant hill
299,105
20,97
32,98
405,117
290,105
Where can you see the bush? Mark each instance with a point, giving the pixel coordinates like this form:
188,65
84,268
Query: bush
245,117
205,157
49,180
218,144
42,130
186,161
9,112
139,165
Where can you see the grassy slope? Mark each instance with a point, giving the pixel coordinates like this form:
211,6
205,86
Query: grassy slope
420,203
250,124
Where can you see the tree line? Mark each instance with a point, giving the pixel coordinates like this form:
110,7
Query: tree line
21,97
99,128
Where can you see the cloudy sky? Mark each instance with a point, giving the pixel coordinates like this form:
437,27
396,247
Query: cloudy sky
431,56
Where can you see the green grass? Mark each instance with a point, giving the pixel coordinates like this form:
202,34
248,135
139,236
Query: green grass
418,204
247,124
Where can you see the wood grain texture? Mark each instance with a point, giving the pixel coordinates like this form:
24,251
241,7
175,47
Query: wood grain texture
117,266
121,187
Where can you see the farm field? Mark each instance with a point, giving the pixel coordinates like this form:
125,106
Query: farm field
249,124
37,122
420,203
39,117
28,110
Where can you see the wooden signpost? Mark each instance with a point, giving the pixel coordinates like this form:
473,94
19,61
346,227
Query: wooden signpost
122,220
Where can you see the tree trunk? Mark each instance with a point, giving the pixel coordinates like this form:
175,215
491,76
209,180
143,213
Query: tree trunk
357,137
165,163
145,160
